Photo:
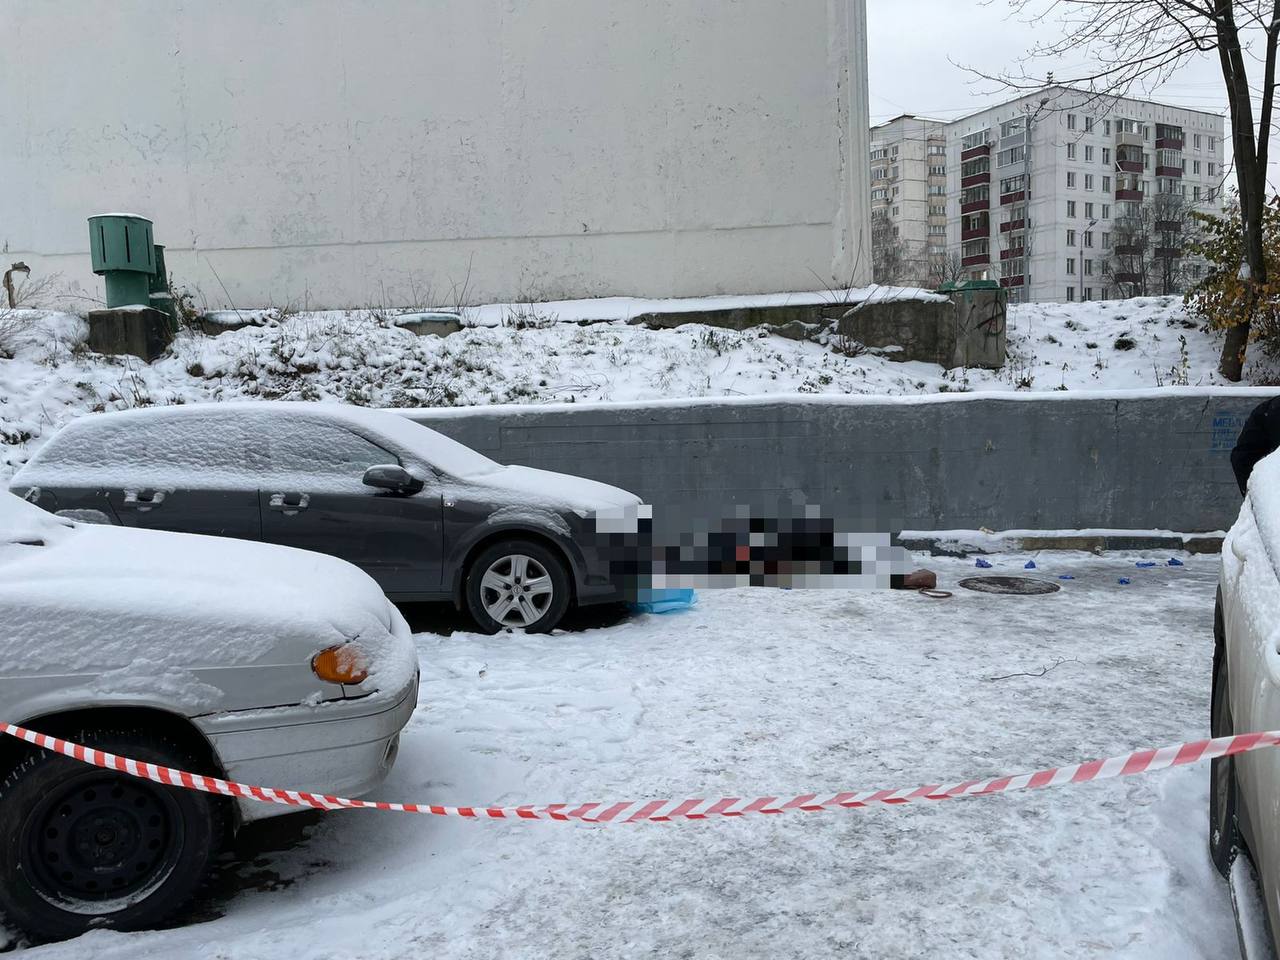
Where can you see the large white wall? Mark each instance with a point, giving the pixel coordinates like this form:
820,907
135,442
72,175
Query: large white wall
346,151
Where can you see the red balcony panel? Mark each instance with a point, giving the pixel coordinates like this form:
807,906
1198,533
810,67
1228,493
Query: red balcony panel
1012,281
1011,253
1012,225
1168,253
979,151
1168,226
1169,143
1008,198
978,259
975,233
1168,171
1129,166
973,206
975,179
1135,195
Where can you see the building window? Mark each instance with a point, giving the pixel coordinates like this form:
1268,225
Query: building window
1088,293
1088,210
1012,184
937,210
938,171
1088,238
1196,138
1011,156
1195,193
1106,128
1106,211
1195,166
1071,178
1106,184
895,191
1088,153
1212,170
895,232
1010,127
975,140
1088,272
1088,181
1071,238
896,210
1146,161
937,189
1071,294
1213,143
1071,121
1071,208
938,229
1088,124
1106,240
1071,151
1071,265
894,173
1106,156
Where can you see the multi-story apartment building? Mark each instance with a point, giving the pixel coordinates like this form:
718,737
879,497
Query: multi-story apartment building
908,199
1062,195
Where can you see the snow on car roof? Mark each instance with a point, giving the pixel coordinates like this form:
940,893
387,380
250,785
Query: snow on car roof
403,436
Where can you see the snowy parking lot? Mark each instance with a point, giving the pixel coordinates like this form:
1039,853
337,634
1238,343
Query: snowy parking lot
755,692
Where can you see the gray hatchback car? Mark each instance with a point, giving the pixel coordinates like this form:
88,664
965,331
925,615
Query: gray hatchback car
425,516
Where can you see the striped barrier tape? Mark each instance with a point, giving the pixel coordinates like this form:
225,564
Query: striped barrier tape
632,811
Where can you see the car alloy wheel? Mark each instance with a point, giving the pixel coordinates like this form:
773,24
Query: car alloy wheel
516,591
108,838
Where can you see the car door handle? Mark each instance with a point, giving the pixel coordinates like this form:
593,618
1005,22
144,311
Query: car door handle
290,504
143,500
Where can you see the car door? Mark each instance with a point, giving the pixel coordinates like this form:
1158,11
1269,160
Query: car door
313,497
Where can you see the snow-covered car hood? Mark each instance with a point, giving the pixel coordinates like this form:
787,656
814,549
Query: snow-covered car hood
157,610
530,486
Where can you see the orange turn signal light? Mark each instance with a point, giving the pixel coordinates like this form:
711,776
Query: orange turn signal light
344,663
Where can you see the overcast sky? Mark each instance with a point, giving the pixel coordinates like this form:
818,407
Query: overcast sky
911,45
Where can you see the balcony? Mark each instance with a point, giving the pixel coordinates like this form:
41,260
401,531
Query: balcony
977,260
1168,226
973,206
1133,195
1168,171
1128,278
1169,143
975,233
982,150
1129,166
1128,139
1007,198
1012,252
975,179
1128,249
1168,253
1012,225
1012,281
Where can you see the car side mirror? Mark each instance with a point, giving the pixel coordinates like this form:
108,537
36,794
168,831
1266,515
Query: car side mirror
393,477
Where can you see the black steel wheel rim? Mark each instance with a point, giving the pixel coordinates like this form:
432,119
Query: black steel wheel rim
101,838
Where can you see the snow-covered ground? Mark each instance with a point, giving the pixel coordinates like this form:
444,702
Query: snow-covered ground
758,691
536,354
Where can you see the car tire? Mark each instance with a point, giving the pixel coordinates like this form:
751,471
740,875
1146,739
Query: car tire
1223,834
82,847
513,575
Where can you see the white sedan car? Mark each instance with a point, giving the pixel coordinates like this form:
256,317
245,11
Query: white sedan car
246,661
1244,799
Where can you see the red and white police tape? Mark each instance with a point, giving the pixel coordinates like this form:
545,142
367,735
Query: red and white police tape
632,811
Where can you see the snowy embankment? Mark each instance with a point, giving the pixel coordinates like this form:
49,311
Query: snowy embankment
758,691
539,353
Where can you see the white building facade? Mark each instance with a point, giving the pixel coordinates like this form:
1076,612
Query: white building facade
1064,196
909,199
350,153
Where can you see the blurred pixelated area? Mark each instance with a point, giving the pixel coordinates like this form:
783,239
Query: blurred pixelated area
789,546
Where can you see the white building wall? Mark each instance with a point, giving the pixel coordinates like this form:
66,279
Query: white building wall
342,152
1049,166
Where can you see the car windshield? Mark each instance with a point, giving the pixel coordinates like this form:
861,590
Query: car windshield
435,448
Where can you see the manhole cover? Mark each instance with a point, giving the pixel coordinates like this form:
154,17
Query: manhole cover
1025,586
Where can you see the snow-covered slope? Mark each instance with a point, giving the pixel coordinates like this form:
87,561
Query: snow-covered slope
540,353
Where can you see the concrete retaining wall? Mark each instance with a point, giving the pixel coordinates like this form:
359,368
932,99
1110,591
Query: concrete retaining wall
1133,460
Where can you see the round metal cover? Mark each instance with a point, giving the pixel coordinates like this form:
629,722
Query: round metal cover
1023,586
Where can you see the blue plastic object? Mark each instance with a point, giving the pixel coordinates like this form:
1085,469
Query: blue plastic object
983,564
1125,580
1065,576
664,601
1175,562
1145,563
1029,565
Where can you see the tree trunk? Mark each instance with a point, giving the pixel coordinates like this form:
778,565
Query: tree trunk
1231,365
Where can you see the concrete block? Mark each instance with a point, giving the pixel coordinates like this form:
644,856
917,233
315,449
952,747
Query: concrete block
434,324
140,331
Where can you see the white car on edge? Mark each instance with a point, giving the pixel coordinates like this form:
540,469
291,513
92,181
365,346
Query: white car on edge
1244,796
247,661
